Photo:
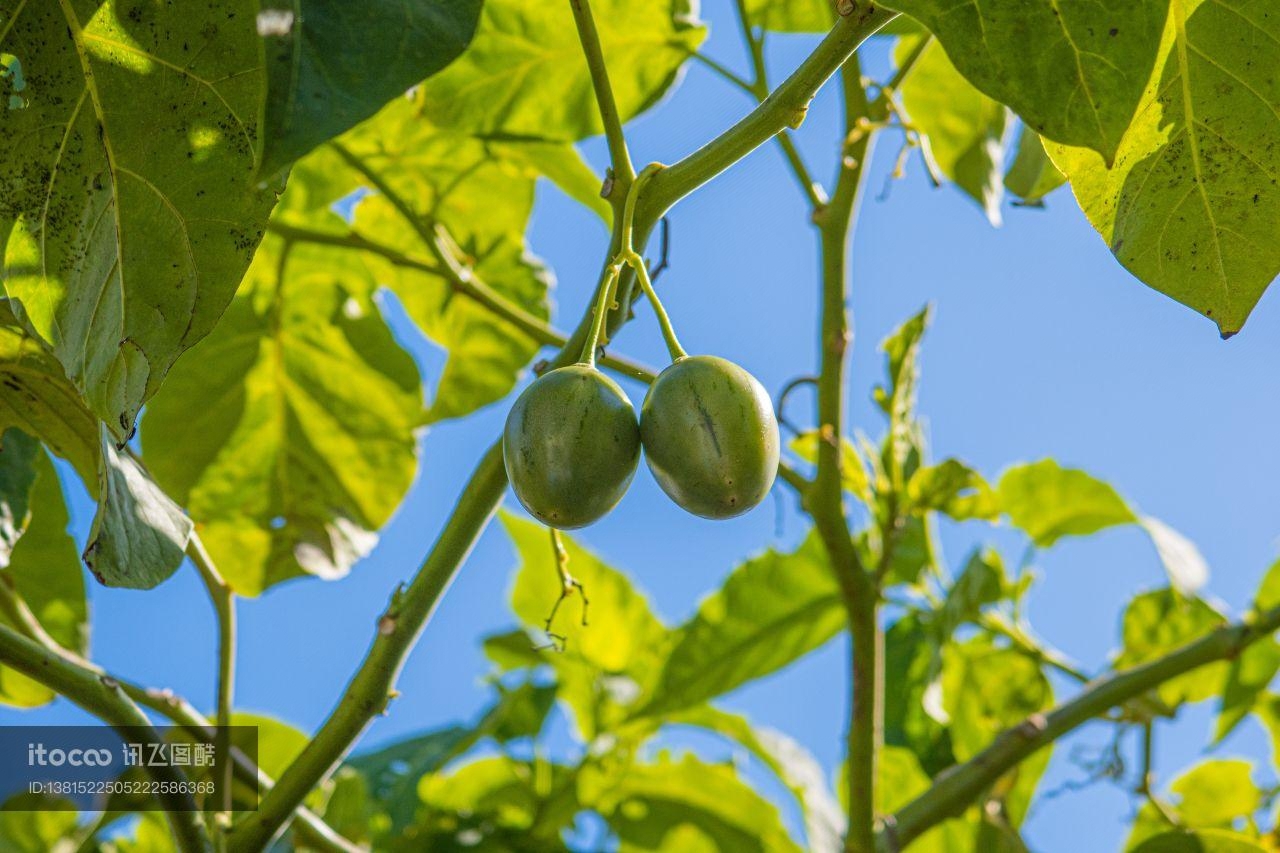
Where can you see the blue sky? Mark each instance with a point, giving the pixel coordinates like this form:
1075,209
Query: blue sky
1042,345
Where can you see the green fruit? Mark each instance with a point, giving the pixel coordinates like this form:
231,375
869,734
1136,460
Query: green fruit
571,446
710,436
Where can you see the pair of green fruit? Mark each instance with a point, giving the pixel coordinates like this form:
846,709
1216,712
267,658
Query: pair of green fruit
572,443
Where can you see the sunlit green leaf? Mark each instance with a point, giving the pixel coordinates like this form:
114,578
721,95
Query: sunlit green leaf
791,16
289,433
431,192
331,64
1049,502
1268,594
1191,206
1208,799
770,611
965,129
531,798
623,634
791,763
124,235
44,569
687,805
953,488
29,825
987,689
1074,72
1156,623
525,75
853,471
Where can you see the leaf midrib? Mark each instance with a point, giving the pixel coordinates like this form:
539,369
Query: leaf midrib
91,86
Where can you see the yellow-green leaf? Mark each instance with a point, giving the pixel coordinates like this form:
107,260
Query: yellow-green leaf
1192,204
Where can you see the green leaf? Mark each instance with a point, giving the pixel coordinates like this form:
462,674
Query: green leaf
44,571
511,794
771,611
1204,841
139,536
440,198
983,581
964,129
29,825
911,705
1075,73
1049,502
987,689
524,74
131,210
350,810
18,454
914,550
1032,175
686,805
393,772
1183,563
623,637
36,397
1157,622
1215,794
796,768
562,164
953,488
853,471
1191,206
897,397
1248,676
1268,594
791,16
289,433
331,64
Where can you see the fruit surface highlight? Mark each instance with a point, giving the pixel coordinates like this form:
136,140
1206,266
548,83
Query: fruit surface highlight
710,436
571,446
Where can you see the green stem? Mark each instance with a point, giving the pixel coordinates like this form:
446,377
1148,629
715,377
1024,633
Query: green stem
726,73
785,107
610,117
958,787
224,605
103,697
604,301
826,501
